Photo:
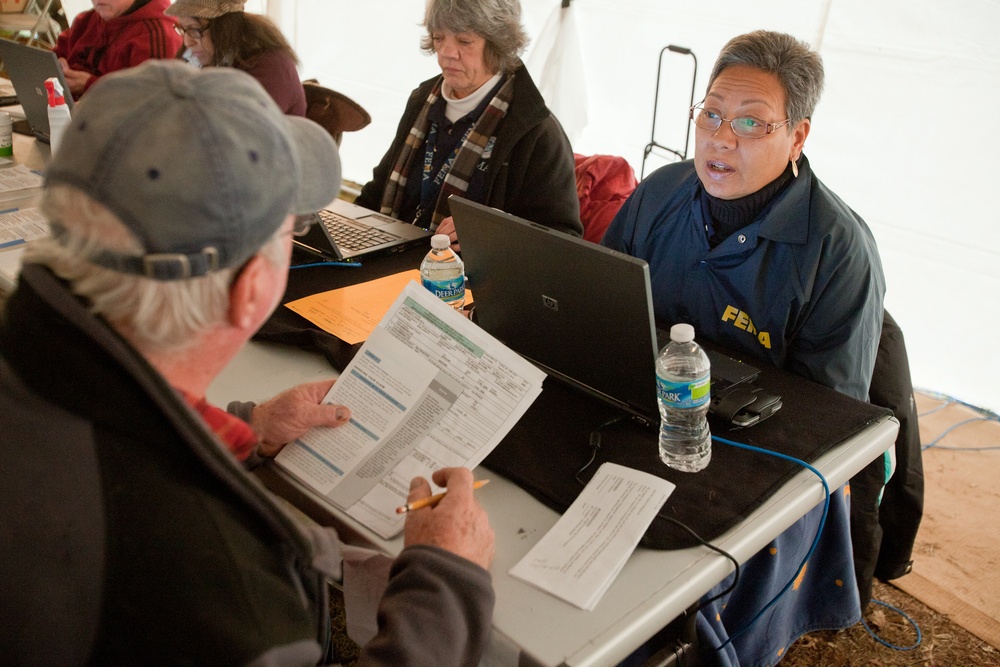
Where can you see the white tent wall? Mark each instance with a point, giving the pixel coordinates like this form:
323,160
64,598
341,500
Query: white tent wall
905,131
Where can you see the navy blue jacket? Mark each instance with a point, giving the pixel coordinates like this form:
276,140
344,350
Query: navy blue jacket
801,287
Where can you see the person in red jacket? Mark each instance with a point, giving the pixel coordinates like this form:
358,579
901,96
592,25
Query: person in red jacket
114,35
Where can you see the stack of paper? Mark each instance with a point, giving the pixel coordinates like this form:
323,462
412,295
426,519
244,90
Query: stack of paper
583,553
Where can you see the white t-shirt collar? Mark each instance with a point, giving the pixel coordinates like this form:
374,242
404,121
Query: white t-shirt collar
456,108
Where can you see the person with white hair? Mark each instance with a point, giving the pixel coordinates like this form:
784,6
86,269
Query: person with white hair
131,532
479,130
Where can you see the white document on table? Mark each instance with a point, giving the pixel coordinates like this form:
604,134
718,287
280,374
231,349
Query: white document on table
428,389
18,226
19,177
583,553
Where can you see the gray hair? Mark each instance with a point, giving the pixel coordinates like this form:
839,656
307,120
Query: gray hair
798,68
496,21
155,316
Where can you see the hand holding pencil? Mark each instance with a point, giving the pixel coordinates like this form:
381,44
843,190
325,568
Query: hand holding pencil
454,521
432,501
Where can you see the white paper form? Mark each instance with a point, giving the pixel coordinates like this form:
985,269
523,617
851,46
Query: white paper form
22,225
428,389
17,227
19,177
583,553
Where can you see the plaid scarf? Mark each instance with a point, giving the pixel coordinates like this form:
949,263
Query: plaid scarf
464,166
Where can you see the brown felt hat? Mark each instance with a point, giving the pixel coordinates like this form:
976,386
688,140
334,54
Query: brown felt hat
204,9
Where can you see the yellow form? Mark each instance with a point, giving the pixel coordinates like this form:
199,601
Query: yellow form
352,313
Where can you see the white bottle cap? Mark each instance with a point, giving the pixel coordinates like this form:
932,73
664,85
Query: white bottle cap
682,333
440,241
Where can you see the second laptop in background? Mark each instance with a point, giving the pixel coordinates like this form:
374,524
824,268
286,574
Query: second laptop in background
28,67
345,231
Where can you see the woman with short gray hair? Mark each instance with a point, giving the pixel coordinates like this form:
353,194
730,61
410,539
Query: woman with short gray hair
497,21
480,130
798,69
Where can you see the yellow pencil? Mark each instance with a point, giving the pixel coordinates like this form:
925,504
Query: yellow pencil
435,499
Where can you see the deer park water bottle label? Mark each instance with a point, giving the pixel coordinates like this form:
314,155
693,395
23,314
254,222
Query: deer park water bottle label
447,290
684,394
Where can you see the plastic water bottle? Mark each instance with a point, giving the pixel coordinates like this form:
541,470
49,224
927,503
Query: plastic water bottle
683,380
59,116
443,273
6,135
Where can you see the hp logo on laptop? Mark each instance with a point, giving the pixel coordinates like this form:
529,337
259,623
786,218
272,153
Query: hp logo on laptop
550,303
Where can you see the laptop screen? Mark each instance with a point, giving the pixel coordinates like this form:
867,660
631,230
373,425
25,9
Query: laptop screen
582,312
28,67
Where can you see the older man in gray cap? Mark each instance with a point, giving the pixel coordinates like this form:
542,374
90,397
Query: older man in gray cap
130,534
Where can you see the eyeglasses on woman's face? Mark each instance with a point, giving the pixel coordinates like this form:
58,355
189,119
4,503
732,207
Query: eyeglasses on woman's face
194,32
747,127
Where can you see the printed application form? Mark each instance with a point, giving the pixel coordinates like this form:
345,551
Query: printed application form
22,225
583,553
17,227
19,177
428,389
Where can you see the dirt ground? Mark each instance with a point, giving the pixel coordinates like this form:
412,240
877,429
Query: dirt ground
943,644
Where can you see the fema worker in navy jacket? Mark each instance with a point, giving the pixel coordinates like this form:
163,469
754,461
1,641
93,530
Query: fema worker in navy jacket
749,246
745,242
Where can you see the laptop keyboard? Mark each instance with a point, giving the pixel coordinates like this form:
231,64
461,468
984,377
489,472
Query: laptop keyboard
351,235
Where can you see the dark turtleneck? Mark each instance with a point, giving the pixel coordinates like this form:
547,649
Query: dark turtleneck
730,215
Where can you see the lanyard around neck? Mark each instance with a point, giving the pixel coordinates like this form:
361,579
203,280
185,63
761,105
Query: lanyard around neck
431,187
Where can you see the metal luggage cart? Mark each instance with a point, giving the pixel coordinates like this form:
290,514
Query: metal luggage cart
654,144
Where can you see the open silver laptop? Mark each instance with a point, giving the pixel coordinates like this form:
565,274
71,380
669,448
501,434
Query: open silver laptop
347,231
28,67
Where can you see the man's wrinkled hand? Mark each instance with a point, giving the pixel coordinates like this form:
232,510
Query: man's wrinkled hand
291,413
457,523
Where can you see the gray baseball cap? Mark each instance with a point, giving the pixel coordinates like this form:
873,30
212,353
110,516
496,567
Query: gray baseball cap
200,165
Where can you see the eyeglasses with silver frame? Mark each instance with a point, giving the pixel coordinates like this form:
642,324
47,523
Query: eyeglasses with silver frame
747,127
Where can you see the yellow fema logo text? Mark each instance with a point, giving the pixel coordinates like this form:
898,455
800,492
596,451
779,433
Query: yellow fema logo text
741,320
